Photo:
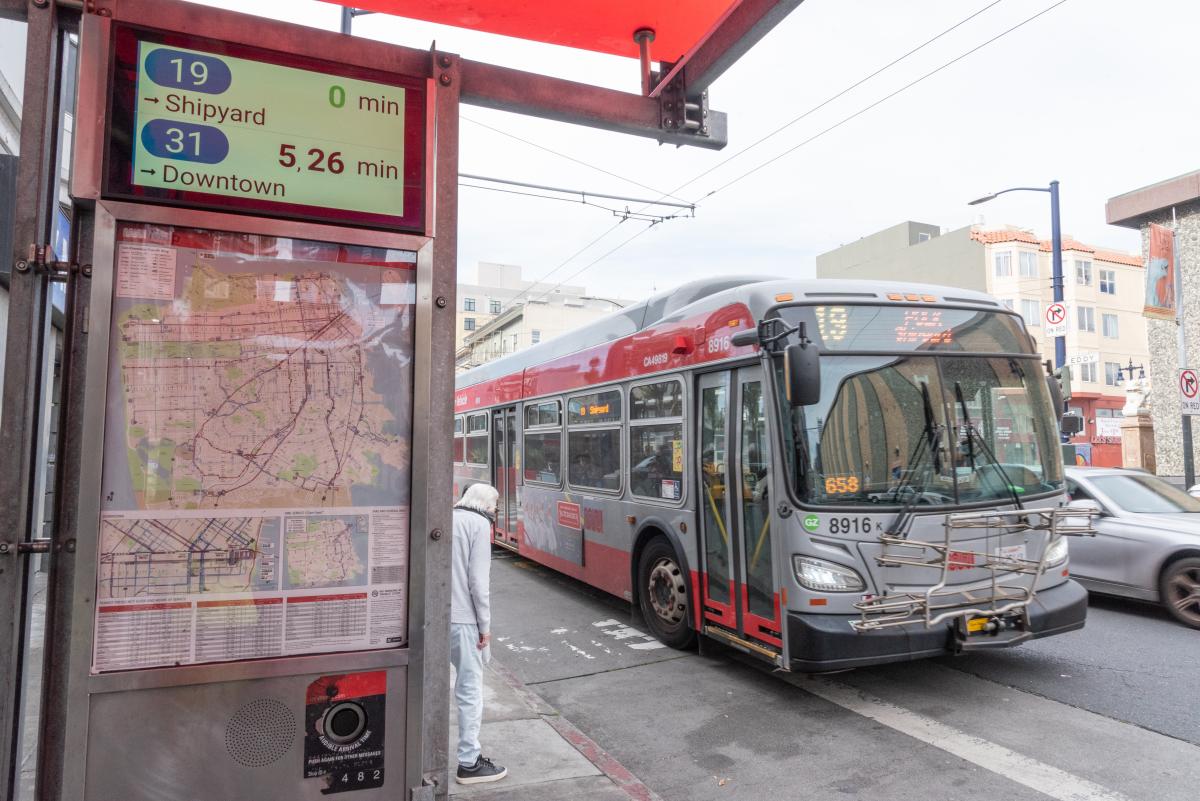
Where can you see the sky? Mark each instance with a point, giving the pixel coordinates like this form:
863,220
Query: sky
1093,93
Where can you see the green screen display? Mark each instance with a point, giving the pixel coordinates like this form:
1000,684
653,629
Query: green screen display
266,133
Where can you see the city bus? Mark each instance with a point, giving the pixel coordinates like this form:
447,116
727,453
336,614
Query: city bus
824,474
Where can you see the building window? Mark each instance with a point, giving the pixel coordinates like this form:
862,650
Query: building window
1031,311
1009,303
1108,282
1083,273
1003,264
468,304
1029,265
1111,369
468,323
543,442
494,306
1086,317
535,336
656,440
477,439
1087,372
594,440
1108,325
922,236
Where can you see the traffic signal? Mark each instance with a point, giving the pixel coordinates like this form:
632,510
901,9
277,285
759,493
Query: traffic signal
1063,376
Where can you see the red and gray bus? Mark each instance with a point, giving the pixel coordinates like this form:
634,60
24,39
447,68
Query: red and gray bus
824,473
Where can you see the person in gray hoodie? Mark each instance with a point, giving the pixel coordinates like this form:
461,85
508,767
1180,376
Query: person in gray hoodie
470,625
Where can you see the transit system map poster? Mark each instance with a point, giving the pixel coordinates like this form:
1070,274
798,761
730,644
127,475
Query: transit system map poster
257,449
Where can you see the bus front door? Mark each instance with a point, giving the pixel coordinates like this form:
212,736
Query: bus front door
739,588
504,474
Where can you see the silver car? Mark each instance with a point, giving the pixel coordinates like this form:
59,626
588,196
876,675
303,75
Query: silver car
1147,542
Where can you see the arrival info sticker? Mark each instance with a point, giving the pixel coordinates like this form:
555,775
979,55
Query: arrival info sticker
343,731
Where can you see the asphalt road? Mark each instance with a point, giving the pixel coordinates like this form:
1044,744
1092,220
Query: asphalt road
1104,714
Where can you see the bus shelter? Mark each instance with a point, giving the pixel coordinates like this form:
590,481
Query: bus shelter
247,588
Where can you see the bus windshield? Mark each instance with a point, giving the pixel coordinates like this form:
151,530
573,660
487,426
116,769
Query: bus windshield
938,430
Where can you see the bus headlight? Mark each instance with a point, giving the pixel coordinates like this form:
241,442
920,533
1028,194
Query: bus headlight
1056,552
817,574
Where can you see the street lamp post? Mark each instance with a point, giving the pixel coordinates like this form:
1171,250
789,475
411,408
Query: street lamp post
1060,343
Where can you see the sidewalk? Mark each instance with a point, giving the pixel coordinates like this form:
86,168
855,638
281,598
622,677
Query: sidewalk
548,759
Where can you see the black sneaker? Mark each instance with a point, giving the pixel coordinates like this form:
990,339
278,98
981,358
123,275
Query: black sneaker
484,770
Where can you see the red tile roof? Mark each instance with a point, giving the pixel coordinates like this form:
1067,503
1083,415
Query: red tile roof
1017,235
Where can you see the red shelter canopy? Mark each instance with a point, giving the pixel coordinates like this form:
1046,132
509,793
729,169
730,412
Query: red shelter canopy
606,26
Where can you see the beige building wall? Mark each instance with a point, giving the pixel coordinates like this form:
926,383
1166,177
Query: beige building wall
1096,284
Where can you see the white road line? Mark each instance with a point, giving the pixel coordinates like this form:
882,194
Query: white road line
1016,767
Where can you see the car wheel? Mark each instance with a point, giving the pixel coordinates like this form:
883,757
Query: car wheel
662,594
1180,590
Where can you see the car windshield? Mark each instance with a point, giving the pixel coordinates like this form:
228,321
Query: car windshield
1141,494
931,430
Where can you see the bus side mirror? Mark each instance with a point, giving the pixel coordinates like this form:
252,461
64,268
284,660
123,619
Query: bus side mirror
802,375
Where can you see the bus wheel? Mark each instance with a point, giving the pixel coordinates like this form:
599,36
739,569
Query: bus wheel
662,594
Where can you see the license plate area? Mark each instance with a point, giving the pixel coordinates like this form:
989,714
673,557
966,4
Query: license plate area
991,631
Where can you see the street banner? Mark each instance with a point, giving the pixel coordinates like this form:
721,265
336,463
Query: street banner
1160,274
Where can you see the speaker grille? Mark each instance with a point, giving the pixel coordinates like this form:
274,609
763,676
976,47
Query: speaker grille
260,732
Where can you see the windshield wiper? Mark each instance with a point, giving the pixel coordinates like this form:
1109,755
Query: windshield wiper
930,435
983,445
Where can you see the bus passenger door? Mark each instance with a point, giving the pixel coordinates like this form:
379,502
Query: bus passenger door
504,474
740,599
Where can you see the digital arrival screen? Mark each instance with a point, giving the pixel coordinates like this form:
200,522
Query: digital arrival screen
212,128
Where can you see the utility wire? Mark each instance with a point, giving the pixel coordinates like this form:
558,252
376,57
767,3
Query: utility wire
624,214
858,113
594,262
838,95
580,192
754,144
581,162
884,99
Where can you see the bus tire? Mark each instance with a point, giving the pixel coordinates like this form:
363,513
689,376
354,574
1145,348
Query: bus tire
662,594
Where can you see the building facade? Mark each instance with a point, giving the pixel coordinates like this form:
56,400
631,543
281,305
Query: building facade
1101,290
501,313
1174,204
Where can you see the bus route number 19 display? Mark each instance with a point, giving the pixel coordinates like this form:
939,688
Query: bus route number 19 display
288,141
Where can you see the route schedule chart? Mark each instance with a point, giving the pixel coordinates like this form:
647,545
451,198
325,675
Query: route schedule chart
257,447
219,125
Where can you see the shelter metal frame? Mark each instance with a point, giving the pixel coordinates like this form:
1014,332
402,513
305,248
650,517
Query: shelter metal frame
673,111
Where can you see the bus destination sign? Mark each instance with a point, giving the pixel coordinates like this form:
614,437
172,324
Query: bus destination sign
211,128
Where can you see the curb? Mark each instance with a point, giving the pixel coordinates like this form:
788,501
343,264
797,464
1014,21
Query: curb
605,762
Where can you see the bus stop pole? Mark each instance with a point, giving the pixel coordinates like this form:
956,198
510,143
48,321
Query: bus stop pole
428,729
36,188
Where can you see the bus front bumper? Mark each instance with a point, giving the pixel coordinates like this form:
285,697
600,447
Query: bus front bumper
820,643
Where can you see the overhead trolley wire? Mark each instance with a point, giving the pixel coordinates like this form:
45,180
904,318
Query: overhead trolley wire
581,162
822,104
883,99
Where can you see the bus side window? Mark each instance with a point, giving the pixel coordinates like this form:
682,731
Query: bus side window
477,439
543,442
458,440
656,440
594,440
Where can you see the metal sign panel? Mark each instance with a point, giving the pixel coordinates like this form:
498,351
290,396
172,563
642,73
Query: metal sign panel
211,124
256,458
1189,391
1055,320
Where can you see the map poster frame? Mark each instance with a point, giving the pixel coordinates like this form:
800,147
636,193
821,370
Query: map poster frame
257,448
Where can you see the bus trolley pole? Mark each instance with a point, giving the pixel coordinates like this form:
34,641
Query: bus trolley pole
36,189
